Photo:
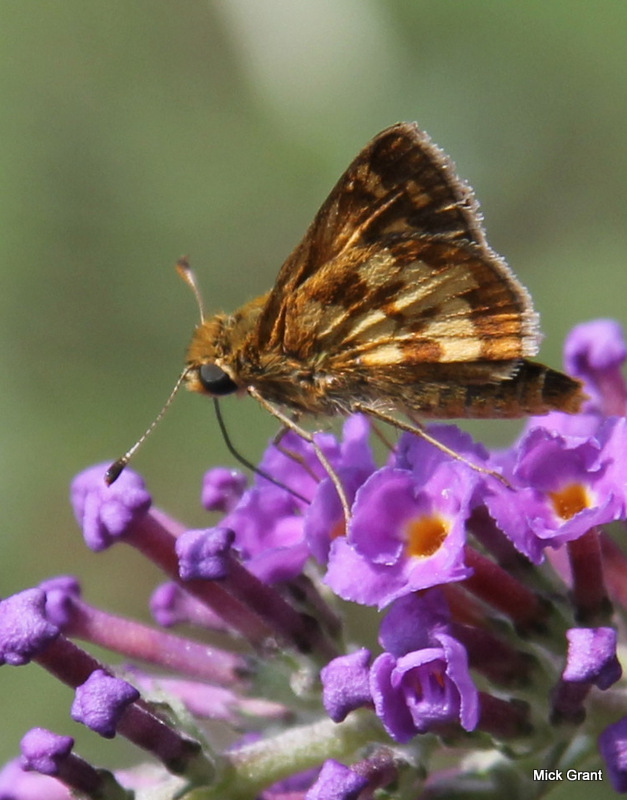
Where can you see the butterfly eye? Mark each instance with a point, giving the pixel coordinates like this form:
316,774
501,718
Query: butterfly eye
215,380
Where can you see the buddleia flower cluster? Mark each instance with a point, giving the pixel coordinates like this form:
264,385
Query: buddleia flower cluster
458,638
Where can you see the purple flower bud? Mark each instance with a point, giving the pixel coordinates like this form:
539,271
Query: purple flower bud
100,702
336,782
222,488
345,684
593,347
105,513
42,750
204,553
61,594
613,748
170,606
592,657
24,629
51,754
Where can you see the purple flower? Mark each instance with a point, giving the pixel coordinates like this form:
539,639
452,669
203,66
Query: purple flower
294,464
411,621
424,689
592,348
275,532
446,548
564,486
403,536
325,521
355,450
423,458
422,680
595,353
268,533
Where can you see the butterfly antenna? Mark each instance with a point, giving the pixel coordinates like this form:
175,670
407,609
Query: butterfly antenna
115,470
188,275
244,461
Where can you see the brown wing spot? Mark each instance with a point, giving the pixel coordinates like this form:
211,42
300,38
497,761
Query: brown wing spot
346,289
384,296
420,351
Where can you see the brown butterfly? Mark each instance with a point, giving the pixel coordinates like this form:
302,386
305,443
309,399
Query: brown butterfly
393,302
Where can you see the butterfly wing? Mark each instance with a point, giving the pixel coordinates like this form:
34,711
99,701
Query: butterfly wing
410,300
400,183
395,269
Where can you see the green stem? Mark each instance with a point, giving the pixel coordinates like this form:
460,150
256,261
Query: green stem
252,768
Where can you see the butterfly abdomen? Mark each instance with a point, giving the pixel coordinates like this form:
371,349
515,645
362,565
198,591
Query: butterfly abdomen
532,389
536,389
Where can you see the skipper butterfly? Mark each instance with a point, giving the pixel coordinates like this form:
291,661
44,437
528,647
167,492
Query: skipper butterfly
392,303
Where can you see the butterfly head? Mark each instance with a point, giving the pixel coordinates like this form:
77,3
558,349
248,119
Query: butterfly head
207,369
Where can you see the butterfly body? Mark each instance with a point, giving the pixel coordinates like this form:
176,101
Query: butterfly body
393,301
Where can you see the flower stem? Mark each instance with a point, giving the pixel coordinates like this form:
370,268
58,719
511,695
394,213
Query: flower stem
248,770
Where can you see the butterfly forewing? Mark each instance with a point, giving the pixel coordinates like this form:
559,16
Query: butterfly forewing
395,269
400,183
413,300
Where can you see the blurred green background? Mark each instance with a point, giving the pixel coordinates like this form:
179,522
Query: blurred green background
135,132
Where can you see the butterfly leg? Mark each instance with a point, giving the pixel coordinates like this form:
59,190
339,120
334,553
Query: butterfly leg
382,437
418,430
296,457
289,423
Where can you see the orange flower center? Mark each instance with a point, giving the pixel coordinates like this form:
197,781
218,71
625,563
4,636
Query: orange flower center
570,500
424,536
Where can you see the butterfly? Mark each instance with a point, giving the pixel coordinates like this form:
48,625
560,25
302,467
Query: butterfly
392,304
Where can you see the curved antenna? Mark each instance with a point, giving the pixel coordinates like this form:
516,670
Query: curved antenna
187,274
115,470
244,461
